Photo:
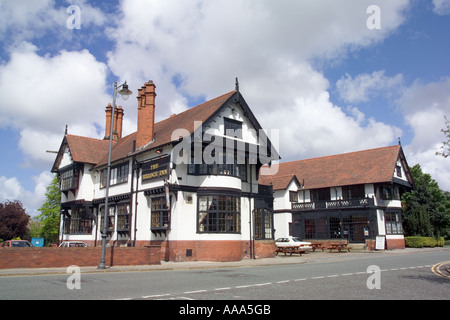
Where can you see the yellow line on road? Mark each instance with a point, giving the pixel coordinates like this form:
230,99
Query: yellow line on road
437,271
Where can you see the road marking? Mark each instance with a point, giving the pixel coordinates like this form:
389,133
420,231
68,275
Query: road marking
156,296
434,268
284,281
437,271
195,291
262,284
220,289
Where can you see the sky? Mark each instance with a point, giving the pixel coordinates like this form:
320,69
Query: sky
329,76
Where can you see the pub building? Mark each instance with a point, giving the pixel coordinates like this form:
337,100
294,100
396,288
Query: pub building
189,183
354,197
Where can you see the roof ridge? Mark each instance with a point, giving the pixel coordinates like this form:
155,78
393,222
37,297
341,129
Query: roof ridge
78,136
195,107
339,154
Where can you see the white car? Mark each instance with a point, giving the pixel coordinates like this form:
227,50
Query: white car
293,242
72,244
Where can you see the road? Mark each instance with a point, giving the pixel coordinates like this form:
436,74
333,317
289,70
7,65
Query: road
403,276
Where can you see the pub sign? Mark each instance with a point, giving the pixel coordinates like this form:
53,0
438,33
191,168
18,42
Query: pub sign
156,169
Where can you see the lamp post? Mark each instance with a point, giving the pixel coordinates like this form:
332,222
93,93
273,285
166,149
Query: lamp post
125,93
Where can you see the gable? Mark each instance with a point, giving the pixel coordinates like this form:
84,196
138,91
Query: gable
80,150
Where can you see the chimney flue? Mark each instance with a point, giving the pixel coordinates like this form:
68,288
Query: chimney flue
146,114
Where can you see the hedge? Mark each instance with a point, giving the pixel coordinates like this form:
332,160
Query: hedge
420,242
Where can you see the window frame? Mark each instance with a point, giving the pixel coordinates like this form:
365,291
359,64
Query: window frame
220,213
232,128
160,218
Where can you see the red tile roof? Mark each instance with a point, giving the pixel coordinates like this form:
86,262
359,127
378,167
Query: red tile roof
95,151
368,166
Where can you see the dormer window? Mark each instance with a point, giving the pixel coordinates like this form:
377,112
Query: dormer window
233,128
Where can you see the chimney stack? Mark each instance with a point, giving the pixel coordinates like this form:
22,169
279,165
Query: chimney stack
118,119
146,114
108,121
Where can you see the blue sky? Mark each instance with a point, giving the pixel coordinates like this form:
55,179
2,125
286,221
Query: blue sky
311,69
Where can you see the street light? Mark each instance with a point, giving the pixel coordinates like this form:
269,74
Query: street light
125,93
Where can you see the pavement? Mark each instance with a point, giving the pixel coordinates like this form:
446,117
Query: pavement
308,257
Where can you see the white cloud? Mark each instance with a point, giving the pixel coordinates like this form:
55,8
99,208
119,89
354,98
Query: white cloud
43,94
441,7
11,189
365,86
424,107
27,19
269,46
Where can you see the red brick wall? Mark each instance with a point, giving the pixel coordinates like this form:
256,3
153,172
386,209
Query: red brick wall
226,250
392,244
82,257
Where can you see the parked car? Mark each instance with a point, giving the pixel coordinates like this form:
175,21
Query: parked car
293,242
71,244
16,243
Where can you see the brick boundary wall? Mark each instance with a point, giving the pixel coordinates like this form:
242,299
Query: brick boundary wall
82,257
207,250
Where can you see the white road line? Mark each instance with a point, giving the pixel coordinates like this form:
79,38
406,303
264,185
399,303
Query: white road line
278,282
195,291
156,296
262,284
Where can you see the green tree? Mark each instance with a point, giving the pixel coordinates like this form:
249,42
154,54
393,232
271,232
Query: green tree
50,211
426,210
13,221
445,148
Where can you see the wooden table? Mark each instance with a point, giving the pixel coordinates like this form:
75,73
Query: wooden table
339,247
316,245
289,250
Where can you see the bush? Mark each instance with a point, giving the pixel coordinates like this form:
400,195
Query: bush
420,242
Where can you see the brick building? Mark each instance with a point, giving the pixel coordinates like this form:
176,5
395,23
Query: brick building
189,182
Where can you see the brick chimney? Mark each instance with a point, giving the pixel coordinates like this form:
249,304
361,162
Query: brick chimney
108,112
118,119
146,114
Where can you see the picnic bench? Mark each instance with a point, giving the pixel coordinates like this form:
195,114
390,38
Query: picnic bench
316,245
289,250
339,246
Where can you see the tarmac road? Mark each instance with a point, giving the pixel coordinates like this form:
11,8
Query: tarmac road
402,274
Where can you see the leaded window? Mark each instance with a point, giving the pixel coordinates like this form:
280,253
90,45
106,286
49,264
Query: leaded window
219,213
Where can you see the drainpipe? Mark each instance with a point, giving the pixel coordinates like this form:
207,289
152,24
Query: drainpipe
136,202
252,242
131,203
